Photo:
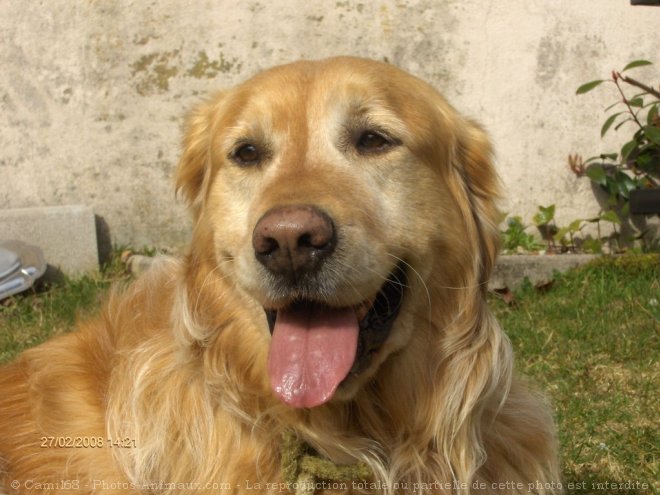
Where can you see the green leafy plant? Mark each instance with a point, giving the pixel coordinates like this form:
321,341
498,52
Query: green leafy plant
588,243
611,217
566,235
514,238
637,164
544,220
568,238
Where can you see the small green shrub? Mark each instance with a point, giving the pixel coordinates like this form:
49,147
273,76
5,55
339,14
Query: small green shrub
514,238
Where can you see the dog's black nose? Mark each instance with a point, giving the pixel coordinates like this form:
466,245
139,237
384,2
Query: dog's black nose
293,240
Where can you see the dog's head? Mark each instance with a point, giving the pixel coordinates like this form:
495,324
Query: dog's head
342,196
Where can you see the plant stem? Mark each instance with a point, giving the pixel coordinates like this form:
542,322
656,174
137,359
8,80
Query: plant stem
616,237
552,237
616,77
640,85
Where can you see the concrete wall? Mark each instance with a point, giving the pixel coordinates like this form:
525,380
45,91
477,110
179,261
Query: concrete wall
92,93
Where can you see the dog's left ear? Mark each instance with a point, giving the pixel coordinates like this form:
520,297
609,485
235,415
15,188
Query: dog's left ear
473,158
194,169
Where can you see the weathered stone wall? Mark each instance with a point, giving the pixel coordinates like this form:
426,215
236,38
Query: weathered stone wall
92,94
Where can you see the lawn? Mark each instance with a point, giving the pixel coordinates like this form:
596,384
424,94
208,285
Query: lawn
590,341
29,318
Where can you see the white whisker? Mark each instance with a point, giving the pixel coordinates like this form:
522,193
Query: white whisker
417,274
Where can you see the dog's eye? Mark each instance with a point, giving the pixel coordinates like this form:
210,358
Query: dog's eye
247,154
372,142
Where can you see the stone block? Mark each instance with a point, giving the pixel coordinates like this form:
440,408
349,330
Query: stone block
65,234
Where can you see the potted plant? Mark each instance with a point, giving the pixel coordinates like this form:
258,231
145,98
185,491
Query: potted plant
631,176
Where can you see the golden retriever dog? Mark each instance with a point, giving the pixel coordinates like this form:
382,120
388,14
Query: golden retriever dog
327,332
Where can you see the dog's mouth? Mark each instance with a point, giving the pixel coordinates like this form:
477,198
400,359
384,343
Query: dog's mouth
316,347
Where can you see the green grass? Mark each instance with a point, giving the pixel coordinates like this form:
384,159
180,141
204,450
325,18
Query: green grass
590,341
29,318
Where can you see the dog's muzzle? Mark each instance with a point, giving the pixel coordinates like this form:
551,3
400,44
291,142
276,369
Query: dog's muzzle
316,347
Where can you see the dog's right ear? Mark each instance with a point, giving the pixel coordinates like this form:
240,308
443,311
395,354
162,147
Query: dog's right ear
194,169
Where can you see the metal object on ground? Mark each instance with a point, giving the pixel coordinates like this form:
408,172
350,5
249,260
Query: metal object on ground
20,265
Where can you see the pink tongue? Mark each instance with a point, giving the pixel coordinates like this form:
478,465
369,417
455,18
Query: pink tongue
312,350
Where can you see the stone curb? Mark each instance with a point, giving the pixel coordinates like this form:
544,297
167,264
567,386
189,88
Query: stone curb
510,271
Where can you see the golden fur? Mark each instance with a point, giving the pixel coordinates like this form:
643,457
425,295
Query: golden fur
176,364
